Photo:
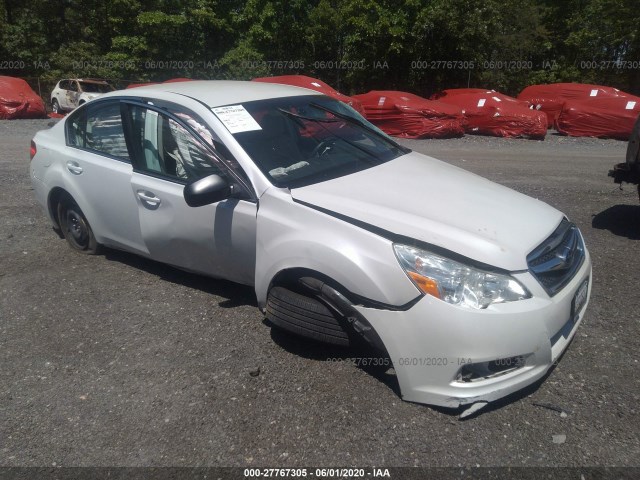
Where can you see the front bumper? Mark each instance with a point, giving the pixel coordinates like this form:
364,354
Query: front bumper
433,343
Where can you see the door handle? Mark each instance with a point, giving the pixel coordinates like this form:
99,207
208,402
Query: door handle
149,198
74,167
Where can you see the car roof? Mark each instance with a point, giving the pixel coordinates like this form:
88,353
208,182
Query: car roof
215,93
85,80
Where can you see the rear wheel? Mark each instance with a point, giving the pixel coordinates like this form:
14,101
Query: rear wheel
304,316
76,228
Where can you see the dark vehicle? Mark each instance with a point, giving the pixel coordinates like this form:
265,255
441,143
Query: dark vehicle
630,170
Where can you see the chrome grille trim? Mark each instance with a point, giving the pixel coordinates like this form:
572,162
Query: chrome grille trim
556,260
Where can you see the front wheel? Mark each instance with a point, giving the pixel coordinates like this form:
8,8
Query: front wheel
76,228
55,106
304,316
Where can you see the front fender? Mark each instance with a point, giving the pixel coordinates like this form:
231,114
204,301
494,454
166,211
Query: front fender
291,235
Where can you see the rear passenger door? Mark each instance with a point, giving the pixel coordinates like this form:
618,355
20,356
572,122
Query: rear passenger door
97,173
172,147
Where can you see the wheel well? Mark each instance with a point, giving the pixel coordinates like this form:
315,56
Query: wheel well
55,197
290,279
338,298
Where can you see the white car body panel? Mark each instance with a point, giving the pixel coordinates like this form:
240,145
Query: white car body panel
216,240
102,189
294,236
342,229
427,363
103,186
429,200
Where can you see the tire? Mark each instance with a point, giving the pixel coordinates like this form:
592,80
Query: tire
75,228
304,316
633,148
55,106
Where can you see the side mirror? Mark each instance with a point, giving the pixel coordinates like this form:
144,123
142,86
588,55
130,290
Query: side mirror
207,190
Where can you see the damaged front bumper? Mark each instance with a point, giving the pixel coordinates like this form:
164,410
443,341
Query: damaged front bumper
450,356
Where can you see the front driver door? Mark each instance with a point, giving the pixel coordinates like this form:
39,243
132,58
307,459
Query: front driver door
218,239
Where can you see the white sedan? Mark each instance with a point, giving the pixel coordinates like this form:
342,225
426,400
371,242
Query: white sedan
469,290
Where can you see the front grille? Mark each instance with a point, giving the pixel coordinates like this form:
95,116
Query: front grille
558,258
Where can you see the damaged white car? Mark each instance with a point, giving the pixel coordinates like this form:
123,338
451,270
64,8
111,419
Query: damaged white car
472,289
71,93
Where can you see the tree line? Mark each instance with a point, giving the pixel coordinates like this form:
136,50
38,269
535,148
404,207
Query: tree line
420,46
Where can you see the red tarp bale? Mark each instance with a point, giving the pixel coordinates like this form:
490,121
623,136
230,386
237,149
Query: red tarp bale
611,117
313,84
458,91
17,100
464,91
551,97
406,115
492,113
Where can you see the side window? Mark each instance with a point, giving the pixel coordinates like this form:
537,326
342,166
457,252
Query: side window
98,128
164,147
64,85
76,128
73,86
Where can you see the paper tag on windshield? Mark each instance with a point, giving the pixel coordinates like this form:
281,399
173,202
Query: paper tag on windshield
630,106
381,101
236,119
594,93
481,102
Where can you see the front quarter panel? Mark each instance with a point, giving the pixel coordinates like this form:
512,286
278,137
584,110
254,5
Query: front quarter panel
291,235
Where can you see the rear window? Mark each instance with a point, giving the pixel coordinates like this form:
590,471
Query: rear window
98,128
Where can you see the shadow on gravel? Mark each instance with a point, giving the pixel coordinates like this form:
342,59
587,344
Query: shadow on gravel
621,220
358,356
236,295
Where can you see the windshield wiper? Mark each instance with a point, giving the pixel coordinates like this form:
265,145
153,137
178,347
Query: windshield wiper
355,121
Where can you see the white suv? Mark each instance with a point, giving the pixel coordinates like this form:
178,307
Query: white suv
468,289
71,93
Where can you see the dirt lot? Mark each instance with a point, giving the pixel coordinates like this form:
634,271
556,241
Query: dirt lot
117,361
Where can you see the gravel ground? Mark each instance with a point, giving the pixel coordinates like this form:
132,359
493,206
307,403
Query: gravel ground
114,360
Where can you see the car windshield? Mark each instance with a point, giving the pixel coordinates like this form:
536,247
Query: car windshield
92,87
298,141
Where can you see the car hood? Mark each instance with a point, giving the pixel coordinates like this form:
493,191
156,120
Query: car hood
431,201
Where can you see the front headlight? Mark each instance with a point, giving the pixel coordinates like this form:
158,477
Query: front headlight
455,282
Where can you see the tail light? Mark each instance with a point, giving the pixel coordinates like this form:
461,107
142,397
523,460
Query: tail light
33,150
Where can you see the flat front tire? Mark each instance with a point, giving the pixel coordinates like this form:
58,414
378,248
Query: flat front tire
304,316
